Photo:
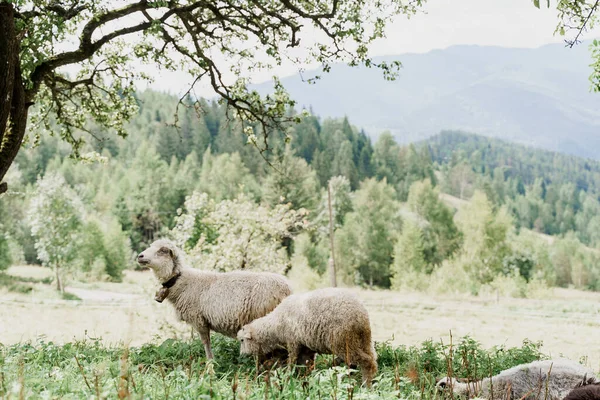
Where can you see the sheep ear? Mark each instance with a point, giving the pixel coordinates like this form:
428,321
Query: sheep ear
168,251
247,335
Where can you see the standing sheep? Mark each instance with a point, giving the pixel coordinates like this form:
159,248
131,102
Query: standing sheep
222,302
326,321
548,379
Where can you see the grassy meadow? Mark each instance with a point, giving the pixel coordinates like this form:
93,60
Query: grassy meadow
114,341
472,254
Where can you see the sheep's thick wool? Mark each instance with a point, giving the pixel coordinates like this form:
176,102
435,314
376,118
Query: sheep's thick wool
327,321
207,300
548,379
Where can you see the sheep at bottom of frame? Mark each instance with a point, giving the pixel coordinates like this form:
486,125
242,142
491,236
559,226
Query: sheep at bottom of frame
547,379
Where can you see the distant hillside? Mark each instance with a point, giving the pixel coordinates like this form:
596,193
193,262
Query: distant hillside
526,163
534,96
547,192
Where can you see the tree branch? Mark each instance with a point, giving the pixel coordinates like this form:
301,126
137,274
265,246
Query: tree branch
84,52
87,48
99,20
585,22
65,13
303,14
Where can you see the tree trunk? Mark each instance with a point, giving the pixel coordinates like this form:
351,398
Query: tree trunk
13,106
7,70
59,285
332,273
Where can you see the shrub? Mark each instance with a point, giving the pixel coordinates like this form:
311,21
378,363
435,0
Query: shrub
5,254
452,277
304,278
104,248
14,284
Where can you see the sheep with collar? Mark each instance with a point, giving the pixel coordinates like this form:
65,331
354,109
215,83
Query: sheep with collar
219,301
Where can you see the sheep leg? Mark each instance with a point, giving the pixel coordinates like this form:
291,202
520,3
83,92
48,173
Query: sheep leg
205,337
293,352
306,357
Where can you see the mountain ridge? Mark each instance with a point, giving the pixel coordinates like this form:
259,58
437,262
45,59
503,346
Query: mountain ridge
538,96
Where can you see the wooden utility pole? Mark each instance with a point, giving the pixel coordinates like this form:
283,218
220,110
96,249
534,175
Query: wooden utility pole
331,241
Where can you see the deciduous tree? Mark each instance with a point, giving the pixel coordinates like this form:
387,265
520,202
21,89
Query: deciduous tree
237,234
55,215
365,243
217,42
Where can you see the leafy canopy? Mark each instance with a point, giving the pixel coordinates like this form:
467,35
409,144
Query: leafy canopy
576,18
221,43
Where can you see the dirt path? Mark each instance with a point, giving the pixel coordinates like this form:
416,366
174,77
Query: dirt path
102,296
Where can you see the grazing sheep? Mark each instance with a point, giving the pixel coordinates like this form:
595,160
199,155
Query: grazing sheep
587,389
218,301
326,321
549,379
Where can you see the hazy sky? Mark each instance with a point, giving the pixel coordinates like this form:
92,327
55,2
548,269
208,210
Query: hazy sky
508,23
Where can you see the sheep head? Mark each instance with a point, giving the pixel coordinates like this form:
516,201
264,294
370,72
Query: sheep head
163,258
249,344
447,384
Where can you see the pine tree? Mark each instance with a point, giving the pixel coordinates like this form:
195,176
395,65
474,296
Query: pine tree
343,164
306,139
386,159
321,164
292,180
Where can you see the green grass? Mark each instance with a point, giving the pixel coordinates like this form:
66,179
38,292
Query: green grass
15,284
70,296
178,370
20,284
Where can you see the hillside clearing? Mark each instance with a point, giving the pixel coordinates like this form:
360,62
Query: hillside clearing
568,323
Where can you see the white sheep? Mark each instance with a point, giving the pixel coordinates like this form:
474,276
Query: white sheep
326,321
548,379
218,301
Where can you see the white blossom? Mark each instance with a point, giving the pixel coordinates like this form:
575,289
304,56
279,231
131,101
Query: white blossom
236,234
54,214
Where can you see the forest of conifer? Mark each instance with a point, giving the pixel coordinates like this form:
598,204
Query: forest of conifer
484,210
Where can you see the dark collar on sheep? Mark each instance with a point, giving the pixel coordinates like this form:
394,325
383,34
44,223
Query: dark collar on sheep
164,290
168,284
